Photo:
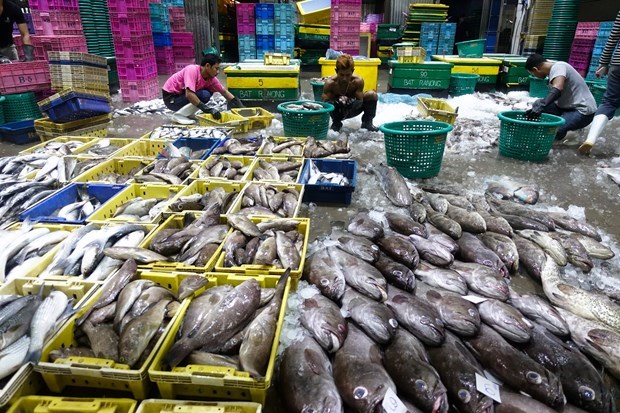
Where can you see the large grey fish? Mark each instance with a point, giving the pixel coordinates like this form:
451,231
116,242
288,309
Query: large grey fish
103,314
576,253
496,223
506,320
354,244
361,224
401,249
126,299
287,252
459,201
323,319
530,255
417,316
200,307
13,356
503,247
438,202
451,357
581,382
540,311
444,278
43,321
471,249
588,304
396,273
594,248
573,225
139,332
435,235
305,379
415,378
375,319
470,221
393,184
103,340
444,189
223,322
405,225
359,274
512,208
18,323
483,280
595,339
518,222
243,224
417,211
146,300
431,251
445,224
520,403
189,285
360,377
321,271
552,247
514,368
20,242
458,314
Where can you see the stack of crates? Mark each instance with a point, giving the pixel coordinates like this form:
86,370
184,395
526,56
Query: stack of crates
265,29
284,16
56,17
43,44
135,54
346,16
96,23
79,70
583,44
160,21
421,13
312,42
429,38
604,31
447,34
387,36
177,18
246,31
183,49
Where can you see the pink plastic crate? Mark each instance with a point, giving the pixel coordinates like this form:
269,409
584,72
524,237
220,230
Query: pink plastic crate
52,23
587,30
176,13
165,68
124,6
57,5
135,91
44,44
136,69
344,12
245,11
246,27
183,54
368,27
128,27
182,39
178,26
164,53
340,2
25,77
181,64
137,48
374,18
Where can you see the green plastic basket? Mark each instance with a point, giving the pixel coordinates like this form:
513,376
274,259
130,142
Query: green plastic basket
471,48
463,83
2,110
302,123
528,140
317,89
21,106
538,87
415,148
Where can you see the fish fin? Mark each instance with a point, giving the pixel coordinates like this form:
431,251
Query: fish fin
33,356
596,336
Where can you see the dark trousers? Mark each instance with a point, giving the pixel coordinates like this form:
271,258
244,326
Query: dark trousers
175,102
574,120
342,112
611,98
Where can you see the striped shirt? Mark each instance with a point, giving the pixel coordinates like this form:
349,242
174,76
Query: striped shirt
608,56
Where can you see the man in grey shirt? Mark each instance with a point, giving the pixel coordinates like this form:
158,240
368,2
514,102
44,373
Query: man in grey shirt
568,97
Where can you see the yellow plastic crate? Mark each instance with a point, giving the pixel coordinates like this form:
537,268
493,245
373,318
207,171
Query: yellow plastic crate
87,142
183,406
314,12
119,166
228,119
176,222
277,59
236,207
95,372
269,159
47,404
483,66
323,30
303,228
258,118
105,214
263,80
24,382
118,142
438,109
217,382
142,149
281,139
92,132
245,160
203,186
366,69
46,125
77,289
410,54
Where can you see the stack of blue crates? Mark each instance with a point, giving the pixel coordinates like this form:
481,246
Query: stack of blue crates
603,34
429,38
284,16
160,21
265,29
447,33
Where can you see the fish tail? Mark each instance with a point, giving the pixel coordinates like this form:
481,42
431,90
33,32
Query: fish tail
33,356
177,353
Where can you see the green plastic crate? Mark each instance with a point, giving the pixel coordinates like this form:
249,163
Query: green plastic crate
538,87
527,139
265,94
20,106
463,83
388,31
426,75
471,48
313,123
1,110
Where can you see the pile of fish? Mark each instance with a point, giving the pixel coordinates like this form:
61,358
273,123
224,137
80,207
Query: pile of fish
82,252
24,247
172,171
59,148
239,146
154,106
509,190
473,133
231,327
305,106
125,322
195,243
121,178
65,168
172,151
221,167
215,198
318,177
278,243
322,149
142,209
102,148
268,200
272,170
21,165
290,146
84,205
174,132
25,323
17,195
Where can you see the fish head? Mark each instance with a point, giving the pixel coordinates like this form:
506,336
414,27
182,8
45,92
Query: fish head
369,399
552,385
599,400
332,287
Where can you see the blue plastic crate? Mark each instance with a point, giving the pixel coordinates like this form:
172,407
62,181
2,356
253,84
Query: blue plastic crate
75,106
284,13
264,11
284,44
162,39
447,28
243,55
160,26
247,43
196,144
21,132
326,192
42,212
265,27
265,43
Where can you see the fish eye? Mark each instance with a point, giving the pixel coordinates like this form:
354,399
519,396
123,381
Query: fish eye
324,282
374,247
471,312
533,377
464,395
393,323
420,385
586,393
398,273
425,320
360,393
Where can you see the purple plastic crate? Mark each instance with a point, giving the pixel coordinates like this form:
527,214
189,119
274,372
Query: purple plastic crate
136,69
182,39
245,12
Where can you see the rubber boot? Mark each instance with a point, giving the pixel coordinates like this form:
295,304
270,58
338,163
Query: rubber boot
181,116
370,110
596,128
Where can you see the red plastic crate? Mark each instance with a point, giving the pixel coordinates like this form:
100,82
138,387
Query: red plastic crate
137,48
136,69
182,39
124,6
145,89
25,77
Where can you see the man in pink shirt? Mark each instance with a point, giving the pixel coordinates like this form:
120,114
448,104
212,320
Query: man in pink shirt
187,91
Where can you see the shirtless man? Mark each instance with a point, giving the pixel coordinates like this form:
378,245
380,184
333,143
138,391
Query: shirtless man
346,92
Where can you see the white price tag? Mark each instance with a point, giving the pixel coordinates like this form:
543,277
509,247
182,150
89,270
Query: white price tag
487,387
474,298
392,404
